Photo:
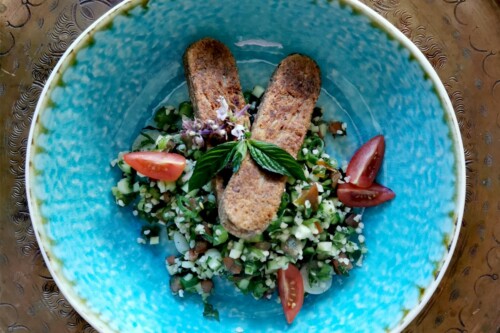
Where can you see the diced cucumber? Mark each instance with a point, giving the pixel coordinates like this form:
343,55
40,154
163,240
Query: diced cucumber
220,235
214,259
327,183
239,245
309,222
189,281
335,218
318,287
198,289
323,129
124,167
164,186
339,239
277,263
258,91
302,232
213,253
172,269
256,254
154,192
235,253
308,251
121,198
243,284
325,247
214,263
237,249
256,238
162,141
140,205
324,273
187,264
314,229
124,186
251,267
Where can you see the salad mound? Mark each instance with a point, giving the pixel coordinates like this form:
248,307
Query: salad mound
312,237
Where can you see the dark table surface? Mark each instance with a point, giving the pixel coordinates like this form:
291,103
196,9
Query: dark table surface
461,38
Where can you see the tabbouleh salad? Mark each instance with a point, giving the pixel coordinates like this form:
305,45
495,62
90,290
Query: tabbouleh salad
312,230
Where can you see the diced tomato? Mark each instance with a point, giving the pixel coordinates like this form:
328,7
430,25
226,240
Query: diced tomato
326,165
366,162
311,195
157,165
232,265
291,291
354,196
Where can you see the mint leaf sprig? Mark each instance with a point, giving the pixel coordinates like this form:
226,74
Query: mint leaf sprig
211,163
274,159
268,156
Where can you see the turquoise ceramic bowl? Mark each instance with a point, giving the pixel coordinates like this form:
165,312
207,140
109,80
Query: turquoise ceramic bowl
108,84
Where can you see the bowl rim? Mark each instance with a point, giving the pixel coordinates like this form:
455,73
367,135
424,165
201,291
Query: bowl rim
93,318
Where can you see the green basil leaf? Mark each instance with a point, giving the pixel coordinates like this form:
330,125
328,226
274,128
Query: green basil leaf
229,157
272,158
210,163
240,151
265,162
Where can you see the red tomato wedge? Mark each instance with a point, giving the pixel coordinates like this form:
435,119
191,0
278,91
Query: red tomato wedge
291,291
354,196
366,162
156,165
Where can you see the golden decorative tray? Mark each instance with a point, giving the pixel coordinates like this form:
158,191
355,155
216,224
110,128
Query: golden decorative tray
461,39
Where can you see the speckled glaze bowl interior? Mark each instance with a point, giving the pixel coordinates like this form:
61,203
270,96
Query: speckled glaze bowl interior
111,80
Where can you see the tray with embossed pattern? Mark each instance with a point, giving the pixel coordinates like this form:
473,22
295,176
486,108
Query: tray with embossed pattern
461,39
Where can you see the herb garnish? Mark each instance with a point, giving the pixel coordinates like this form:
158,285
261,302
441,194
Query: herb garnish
272,158
211,163
267,155
232,152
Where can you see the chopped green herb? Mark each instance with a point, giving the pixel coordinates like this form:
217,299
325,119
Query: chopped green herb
210,312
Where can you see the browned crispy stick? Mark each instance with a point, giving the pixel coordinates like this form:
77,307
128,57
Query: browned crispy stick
252,196
211,72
